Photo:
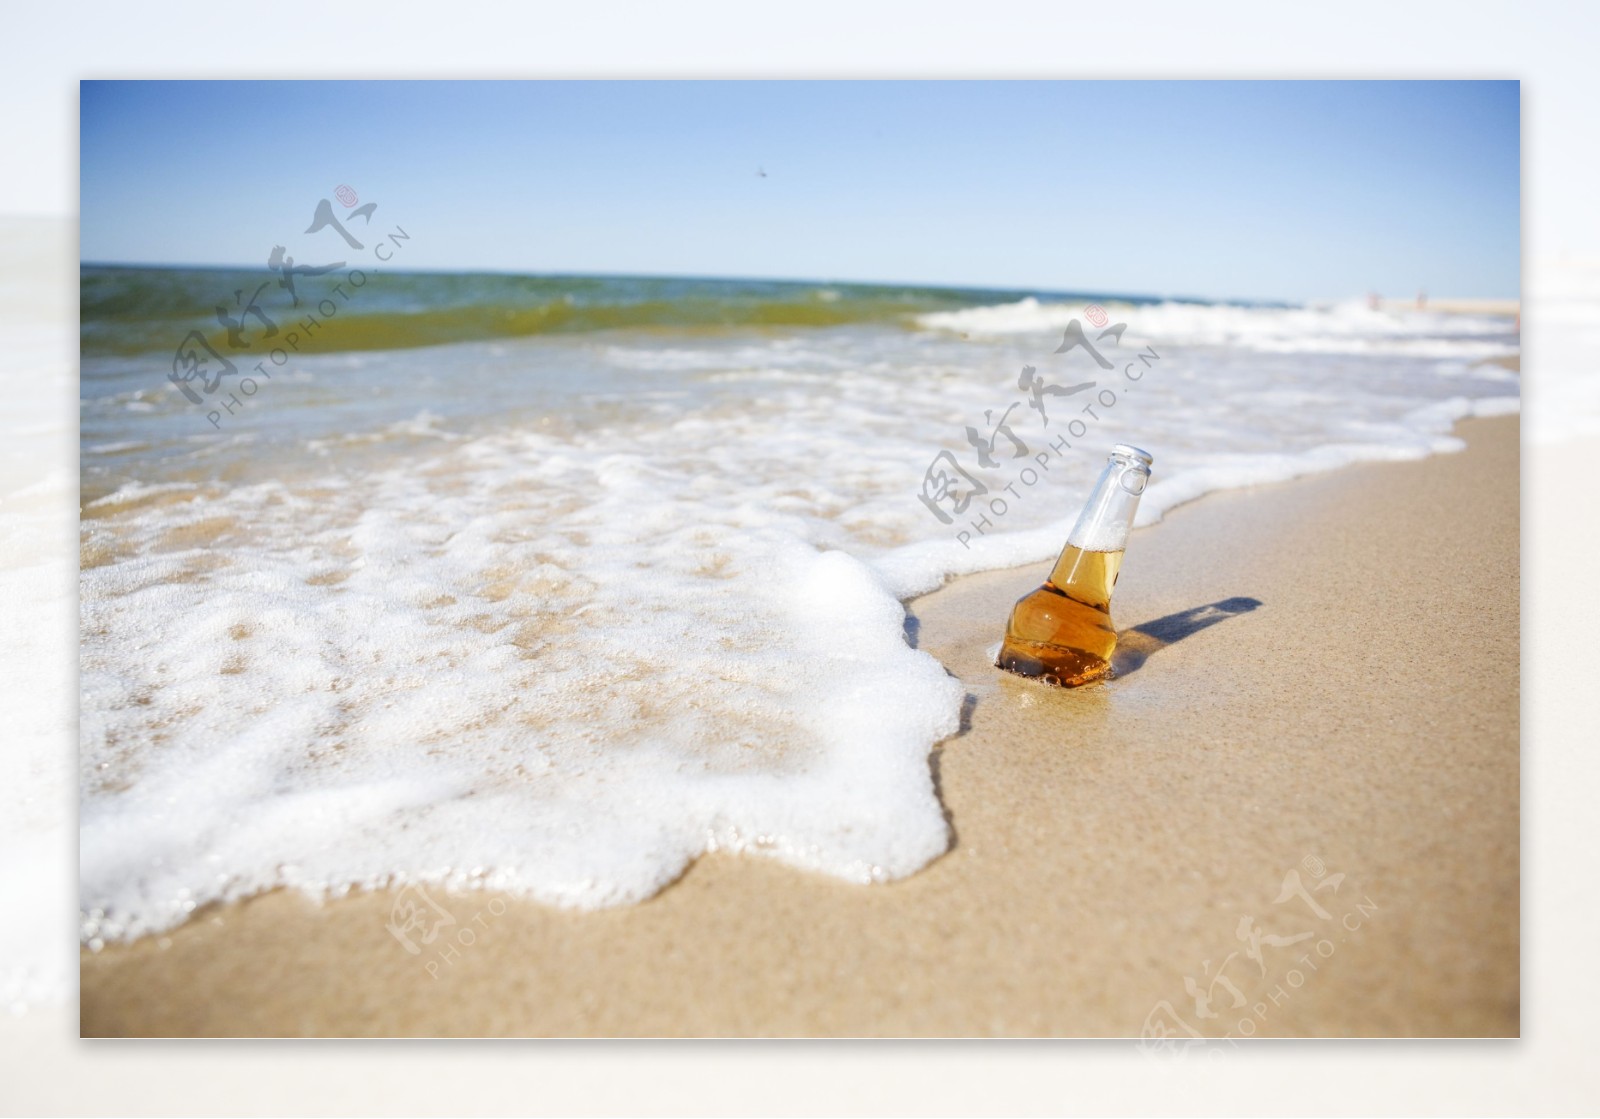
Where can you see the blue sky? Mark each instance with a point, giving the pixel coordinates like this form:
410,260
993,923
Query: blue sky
1280,190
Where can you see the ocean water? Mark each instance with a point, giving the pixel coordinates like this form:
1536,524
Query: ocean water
613,575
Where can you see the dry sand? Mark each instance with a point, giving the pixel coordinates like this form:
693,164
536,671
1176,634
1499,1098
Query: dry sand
1362,721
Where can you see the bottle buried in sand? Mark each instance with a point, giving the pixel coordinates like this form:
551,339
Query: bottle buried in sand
1062,632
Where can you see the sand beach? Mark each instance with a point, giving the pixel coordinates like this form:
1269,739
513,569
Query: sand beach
1294,812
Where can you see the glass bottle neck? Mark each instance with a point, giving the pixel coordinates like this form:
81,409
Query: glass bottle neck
1088,566
1107,516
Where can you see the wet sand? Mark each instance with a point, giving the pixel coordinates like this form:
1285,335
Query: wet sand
1300,795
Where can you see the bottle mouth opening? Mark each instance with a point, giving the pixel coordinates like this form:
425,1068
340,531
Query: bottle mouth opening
1128,450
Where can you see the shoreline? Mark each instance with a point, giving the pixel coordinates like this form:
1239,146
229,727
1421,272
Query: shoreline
1106,842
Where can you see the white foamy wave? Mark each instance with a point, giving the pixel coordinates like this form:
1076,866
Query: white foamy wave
525,665
1350,327
1026,316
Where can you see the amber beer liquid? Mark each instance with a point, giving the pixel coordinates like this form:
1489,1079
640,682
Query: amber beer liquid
1062,632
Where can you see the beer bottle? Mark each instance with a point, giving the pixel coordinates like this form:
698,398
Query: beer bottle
1062,632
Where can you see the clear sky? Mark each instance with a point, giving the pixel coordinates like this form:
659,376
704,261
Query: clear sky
1263,190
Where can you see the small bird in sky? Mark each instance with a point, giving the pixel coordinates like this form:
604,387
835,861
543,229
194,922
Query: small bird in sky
761,172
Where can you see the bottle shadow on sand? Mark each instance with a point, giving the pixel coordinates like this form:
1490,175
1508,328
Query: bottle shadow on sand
1135,645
